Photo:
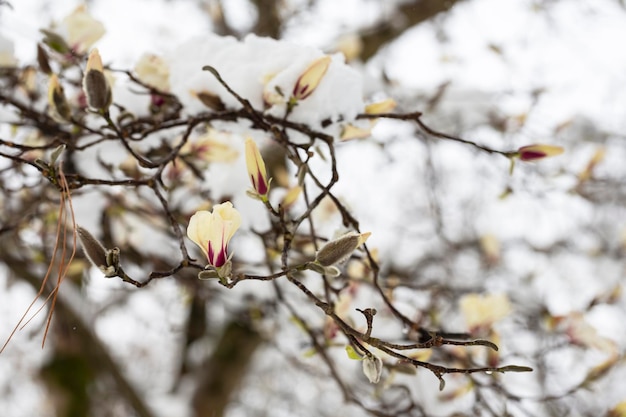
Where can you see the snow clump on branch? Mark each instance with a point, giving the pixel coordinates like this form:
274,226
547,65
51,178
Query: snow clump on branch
257,68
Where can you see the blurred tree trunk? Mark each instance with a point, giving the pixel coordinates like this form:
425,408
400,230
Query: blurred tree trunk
269,22
80,358
408,15
223,372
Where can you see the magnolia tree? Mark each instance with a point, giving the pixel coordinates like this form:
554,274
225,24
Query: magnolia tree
238,228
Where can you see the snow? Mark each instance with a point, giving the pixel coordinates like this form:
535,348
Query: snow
495,53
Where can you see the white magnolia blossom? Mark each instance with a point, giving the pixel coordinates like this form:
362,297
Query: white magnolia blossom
81,30
152,70
212,230
483,310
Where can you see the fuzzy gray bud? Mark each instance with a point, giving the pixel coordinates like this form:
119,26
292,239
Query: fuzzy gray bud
339,249
106,260
95,252
95,84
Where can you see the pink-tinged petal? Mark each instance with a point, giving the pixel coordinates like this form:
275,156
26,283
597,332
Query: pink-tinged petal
260,185
210,254
531,155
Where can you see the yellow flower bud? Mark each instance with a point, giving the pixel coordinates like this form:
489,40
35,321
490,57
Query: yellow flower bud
538,151
310,78
256,168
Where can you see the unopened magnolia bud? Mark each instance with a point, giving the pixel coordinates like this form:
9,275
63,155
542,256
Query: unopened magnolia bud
95,84
94,250
256,169
339,249
212,101
106,260
372,368
55,41
59,108
42,60
310,78
538,151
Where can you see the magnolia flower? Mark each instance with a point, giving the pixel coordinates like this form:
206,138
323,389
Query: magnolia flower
256,169
152,70
339,249
95,84
212,230
582,333
350,46
209,147
490,247
310,78
538,151
82,30
481,311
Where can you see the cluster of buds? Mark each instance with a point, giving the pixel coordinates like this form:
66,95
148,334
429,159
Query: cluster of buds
212,231
95,86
